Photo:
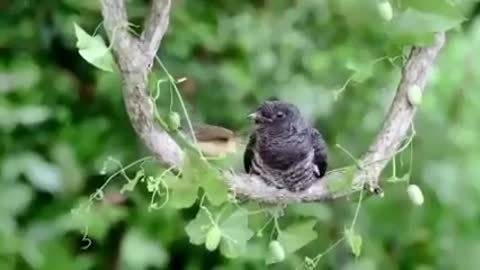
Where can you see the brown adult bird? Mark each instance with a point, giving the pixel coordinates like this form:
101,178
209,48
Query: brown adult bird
216,141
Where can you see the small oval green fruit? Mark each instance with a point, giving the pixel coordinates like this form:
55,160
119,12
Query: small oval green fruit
385,10
415,194
213,238
276,250
173,120
414,95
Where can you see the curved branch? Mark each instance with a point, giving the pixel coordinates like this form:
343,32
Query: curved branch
156,26
401,112
134,65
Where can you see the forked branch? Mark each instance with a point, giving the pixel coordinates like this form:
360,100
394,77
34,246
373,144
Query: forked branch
135,55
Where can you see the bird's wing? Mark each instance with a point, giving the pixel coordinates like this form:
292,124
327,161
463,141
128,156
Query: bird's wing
248,155
320,152
210,132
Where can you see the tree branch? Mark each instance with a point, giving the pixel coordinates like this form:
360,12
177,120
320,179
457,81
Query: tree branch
134,65
155,26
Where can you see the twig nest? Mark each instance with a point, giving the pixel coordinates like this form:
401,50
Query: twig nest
415,194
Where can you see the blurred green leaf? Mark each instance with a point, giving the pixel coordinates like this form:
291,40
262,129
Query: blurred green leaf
316,210
94,220
15,198
90,5
141,252
297,235
24,115
198,172
94,50
415,21
198,228
184,192
31,115
32,253
361,71
214,186
354,241
235,233
72,174
342,182
42,174
130,185
445,8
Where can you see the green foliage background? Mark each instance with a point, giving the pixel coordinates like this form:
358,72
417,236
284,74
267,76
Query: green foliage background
62,120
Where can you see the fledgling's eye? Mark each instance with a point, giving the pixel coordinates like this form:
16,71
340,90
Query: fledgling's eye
280,114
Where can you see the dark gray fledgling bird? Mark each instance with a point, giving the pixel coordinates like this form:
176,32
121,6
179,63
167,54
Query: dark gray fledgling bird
284,150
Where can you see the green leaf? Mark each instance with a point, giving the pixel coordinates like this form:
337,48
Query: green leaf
214,186
197,228
417,39
415,21
32,114
419,21
343,181
235,233
87,5
94,50
42,174
140,251
199,171
316,210
83,38
65,157
130,185
183,193
297,236
354,241
99,218
438,7
15,198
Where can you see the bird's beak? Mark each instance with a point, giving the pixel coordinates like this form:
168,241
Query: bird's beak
258,118
253,116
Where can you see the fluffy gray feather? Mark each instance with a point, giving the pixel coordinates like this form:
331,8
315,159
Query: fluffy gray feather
284,150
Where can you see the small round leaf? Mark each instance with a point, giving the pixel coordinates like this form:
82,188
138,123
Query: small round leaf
415,194
276,250
213,238
385,10
173,120
414,95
